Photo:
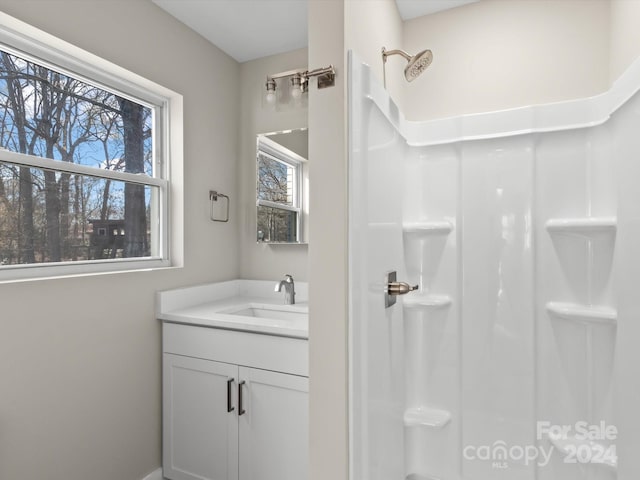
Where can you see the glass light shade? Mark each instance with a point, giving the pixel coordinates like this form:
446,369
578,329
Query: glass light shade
270,96
296,86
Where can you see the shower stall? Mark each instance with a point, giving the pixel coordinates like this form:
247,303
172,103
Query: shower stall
518,357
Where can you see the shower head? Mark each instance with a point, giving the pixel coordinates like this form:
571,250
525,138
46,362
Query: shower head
418,63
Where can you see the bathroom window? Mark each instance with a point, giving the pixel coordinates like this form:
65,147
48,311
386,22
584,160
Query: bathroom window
279,193
83,167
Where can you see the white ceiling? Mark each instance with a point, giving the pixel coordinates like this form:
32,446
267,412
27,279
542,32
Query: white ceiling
417,8
250,29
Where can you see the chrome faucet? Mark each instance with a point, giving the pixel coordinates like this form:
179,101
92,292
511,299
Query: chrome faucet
289,289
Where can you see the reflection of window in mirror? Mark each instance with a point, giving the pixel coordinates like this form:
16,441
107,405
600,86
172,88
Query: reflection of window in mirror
281,195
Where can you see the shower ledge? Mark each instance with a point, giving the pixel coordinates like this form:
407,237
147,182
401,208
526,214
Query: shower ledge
426,301
600,454
441,227
585,314
582,225
426,417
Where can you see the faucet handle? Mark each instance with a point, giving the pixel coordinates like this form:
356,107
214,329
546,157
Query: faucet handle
400,288
288,278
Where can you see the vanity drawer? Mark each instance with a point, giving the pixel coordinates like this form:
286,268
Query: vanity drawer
268,352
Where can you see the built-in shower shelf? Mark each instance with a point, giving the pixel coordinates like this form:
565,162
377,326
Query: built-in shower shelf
598,454
585,314
417,301
417,476
441,227
426,417
582,225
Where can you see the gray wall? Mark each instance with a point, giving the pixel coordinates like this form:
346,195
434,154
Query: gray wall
80,357
261,261
493,55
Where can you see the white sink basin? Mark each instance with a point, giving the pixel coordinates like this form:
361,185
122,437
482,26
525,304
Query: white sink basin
272,314
268,311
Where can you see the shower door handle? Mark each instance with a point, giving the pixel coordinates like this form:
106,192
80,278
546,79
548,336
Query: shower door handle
394,288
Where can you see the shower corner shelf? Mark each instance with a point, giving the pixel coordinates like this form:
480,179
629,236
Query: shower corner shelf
585,314
570,445
426,417
417,301
442,227
582,225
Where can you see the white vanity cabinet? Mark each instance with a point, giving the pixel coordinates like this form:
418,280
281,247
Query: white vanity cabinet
235,405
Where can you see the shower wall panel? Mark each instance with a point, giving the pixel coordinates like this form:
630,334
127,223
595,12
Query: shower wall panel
431,315
576,234
497,301
377,341
525,244
626,272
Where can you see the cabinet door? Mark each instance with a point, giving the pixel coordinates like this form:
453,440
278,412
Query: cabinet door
200,435
274,426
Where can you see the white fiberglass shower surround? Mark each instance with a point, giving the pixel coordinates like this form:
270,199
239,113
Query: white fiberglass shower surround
518,358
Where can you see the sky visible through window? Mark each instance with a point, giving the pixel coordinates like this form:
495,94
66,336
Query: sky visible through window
81,121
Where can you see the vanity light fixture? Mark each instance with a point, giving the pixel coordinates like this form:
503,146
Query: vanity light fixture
299,81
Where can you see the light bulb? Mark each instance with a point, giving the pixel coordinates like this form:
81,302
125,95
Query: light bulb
270,97
296,86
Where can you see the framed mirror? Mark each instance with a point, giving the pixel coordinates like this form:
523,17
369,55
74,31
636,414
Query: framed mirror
282,179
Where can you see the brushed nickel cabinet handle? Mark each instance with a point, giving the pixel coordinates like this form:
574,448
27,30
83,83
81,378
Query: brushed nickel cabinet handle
230,407
241,410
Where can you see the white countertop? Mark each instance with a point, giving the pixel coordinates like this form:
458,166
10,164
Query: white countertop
209,305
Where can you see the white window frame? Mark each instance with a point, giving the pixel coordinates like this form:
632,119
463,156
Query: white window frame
32,44
277,152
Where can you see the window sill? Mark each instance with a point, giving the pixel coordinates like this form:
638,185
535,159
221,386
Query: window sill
32,273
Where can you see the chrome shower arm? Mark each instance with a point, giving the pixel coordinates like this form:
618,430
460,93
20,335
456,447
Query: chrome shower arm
386,53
